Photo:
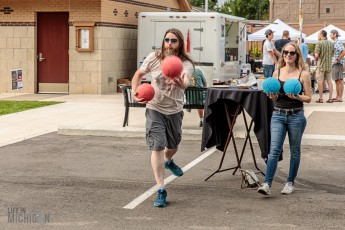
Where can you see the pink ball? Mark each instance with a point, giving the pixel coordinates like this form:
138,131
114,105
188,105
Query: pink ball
145,91
172,66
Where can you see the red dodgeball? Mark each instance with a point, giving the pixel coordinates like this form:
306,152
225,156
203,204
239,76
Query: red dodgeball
172,66
145,91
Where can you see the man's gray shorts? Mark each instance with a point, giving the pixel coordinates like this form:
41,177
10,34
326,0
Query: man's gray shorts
337,72
163,130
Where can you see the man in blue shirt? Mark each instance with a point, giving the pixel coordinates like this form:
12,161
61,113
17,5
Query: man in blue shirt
304,50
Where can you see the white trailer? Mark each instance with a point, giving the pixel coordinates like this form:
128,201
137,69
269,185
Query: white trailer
217,41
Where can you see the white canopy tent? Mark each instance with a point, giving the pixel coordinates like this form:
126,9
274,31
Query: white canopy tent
278,27
313,38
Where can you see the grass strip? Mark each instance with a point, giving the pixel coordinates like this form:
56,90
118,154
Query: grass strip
7,107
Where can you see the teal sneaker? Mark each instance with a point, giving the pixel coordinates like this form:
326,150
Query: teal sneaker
161,198
173,168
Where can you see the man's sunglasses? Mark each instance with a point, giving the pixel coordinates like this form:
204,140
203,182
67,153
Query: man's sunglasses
292,53
172,40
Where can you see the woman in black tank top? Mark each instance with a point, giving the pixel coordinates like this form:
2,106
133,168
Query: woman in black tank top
288,117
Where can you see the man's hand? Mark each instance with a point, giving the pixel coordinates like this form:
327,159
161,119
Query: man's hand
177,81
139,100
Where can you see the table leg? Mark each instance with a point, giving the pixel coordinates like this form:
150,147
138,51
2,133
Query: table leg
248,138
231,123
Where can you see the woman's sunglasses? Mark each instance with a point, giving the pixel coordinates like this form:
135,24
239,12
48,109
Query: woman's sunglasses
292,53
172,40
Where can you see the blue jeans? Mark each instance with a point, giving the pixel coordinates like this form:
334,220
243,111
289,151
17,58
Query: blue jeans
268,70
294,125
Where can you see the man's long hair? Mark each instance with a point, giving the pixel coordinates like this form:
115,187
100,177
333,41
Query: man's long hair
181,49
323,33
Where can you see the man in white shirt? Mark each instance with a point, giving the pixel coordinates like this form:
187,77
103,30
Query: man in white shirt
269,60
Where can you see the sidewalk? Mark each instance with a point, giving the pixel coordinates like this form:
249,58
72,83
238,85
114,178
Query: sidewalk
103,115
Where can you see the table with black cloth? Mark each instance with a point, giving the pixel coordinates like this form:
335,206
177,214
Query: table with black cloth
222,106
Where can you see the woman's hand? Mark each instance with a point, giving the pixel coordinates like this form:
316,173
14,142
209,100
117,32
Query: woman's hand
273,96
293,96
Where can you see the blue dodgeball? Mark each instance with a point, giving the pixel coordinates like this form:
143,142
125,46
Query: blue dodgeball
292,86
271,85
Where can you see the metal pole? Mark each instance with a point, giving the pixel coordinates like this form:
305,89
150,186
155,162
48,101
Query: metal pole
300,20
206,5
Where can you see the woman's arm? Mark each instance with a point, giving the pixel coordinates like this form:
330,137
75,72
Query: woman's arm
306,82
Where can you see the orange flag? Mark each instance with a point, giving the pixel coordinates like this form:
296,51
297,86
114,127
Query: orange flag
188,43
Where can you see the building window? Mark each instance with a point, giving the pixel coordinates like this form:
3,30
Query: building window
328,10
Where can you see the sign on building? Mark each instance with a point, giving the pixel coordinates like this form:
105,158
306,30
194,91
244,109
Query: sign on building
17,79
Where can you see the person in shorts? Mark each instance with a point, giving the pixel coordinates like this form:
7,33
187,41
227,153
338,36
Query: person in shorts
338,63
164,113
324,51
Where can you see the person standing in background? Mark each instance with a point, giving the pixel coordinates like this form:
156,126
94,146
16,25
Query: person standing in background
280,43
268,52
338,63
324,51
305,50
198,80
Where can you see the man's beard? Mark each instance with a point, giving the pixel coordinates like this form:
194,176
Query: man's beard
170,51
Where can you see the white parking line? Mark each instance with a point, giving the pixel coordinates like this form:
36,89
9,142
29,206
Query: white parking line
167,180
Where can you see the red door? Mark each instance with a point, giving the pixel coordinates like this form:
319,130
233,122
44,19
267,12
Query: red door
52,52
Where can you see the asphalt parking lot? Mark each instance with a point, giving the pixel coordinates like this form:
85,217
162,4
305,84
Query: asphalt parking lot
84,182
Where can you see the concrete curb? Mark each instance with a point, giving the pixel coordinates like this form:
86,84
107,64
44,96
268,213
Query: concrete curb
188,134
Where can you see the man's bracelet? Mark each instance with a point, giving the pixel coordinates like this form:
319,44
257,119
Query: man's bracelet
133,92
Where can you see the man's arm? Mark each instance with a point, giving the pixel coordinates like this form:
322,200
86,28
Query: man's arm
277,52
273,57
341,55
317,50
136,80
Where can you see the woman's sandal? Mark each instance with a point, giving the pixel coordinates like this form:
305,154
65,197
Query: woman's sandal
319,101
329,101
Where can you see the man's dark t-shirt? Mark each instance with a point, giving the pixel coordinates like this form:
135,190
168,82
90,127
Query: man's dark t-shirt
279,44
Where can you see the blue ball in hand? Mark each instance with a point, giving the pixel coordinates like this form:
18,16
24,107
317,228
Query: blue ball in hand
292,86
271,85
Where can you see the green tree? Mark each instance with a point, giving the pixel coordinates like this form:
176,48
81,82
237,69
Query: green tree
212,4
249,9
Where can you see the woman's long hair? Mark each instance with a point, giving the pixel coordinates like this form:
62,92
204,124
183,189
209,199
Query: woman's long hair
299,63
181,51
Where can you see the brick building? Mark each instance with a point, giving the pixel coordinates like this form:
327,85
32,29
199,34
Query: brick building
72,46
316,13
